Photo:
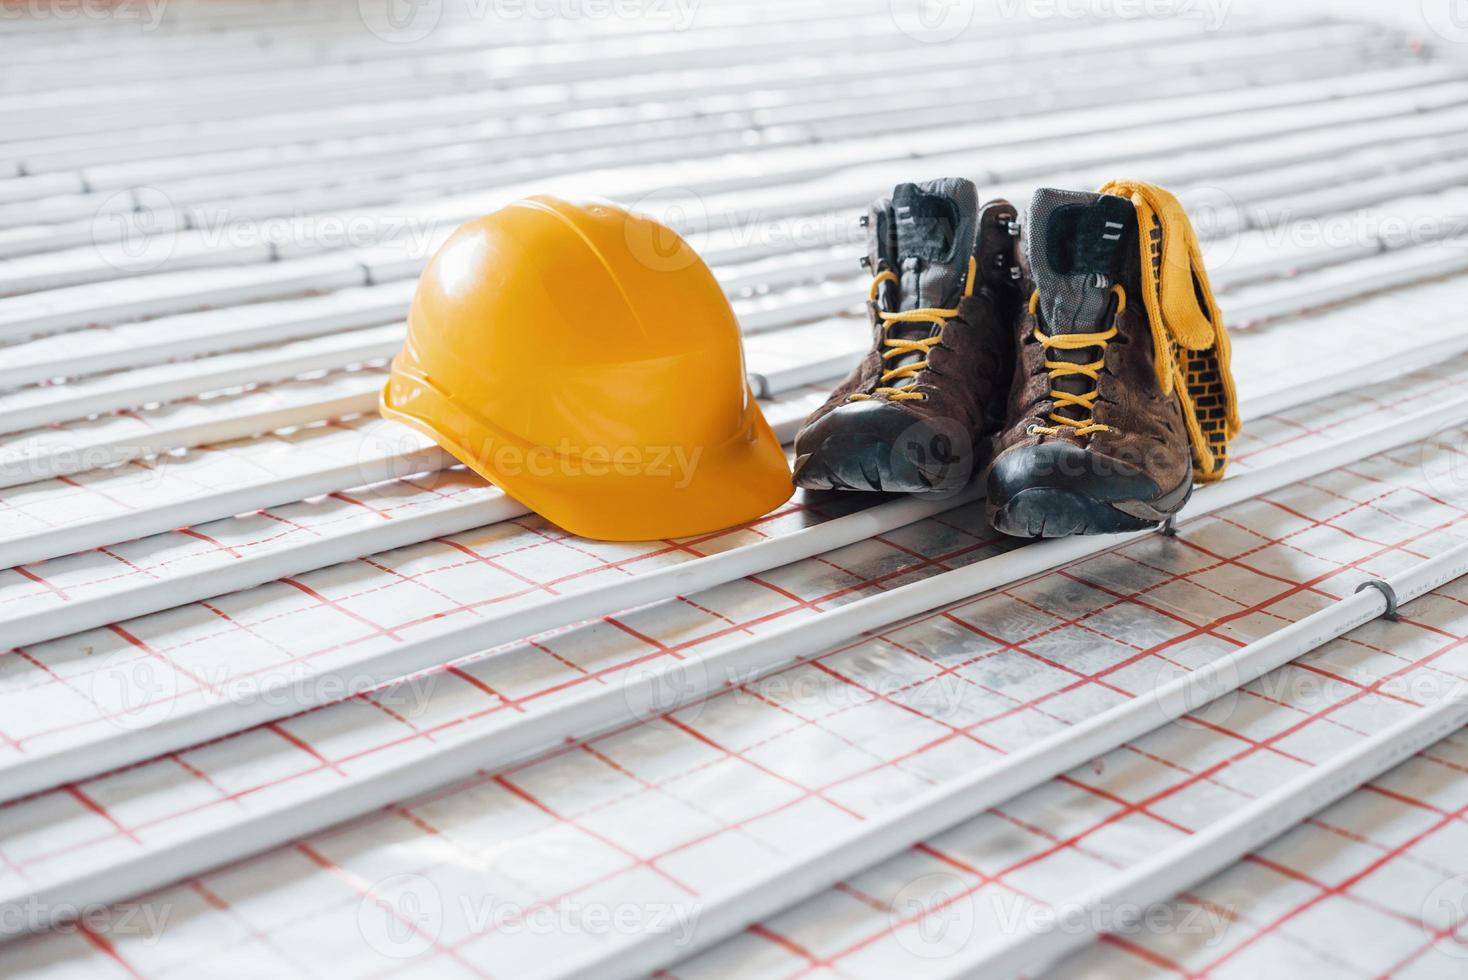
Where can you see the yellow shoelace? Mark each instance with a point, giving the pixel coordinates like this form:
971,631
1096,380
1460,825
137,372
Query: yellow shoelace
898,347
1062,369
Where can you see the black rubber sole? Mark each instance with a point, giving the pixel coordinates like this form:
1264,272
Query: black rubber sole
1056,489
1046,512
877,468
1054,512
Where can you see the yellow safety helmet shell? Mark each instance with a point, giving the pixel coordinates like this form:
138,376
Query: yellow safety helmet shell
585,360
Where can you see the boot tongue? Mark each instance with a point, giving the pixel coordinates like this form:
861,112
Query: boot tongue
935,224
1078,244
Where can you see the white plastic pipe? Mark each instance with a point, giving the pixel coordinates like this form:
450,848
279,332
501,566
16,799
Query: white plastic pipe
137,297
377,463
150,596
1217,846
1445,258
933,812
641,695
86,534
831,65
76,306
843,113
142,595
87,265
153,595
225,716
1406,268
226,328
31,408
45,461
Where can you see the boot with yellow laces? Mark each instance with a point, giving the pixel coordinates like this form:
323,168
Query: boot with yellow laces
1122,395
918,413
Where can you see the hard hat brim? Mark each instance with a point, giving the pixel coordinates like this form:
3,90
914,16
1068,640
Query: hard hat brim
664,492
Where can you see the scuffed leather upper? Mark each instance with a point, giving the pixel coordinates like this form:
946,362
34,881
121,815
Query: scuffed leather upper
1148,433
968,372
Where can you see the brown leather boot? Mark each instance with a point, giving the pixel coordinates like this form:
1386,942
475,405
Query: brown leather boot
1092,444
918,413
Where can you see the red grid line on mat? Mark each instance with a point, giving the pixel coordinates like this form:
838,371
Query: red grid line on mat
539,536
295,520
204,469
764,927
1252,746
506,704
159,556
230,625
581,816
97,577
1078,842
1263,930
823,599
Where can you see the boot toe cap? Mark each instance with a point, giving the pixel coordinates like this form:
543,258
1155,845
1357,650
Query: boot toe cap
1066,466
1056,489
880,445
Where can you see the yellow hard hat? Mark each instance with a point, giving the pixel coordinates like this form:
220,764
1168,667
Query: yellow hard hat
585,360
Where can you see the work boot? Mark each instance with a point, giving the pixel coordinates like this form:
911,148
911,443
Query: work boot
1092,444
918,413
